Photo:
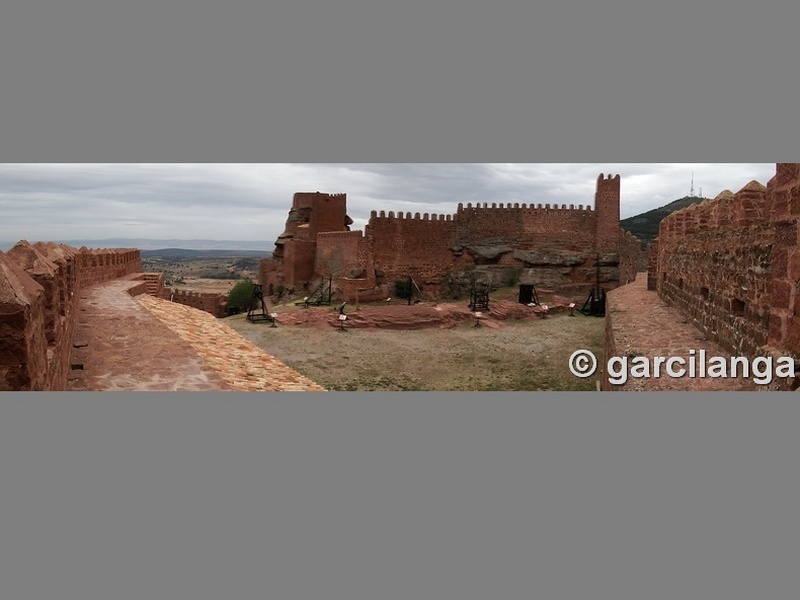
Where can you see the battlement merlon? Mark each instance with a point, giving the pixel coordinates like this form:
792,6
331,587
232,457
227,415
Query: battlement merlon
485,206
786,174
311,199
525,207
409,216
318,212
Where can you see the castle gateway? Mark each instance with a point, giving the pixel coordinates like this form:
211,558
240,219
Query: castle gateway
566,248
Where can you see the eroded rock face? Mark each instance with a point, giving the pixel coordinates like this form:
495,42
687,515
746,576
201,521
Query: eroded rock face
488,253
551,258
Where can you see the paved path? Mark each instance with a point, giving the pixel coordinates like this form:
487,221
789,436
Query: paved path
643,325
240,363
148,344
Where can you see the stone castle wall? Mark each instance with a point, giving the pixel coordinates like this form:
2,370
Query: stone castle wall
406,245
214,304
526,227
563,246
732,265
40,286
630,256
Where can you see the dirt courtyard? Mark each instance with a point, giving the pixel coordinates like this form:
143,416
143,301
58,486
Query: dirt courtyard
430,347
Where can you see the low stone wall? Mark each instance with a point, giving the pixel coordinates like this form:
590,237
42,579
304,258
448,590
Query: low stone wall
214,304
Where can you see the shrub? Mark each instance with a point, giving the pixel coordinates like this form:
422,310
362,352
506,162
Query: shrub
512,276
241,294
403,288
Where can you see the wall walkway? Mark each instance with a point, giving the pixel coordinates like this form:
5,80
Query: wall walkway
142,343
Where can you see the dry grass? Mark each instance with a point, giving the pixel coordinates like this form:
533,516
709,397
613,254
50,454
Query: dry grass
520,355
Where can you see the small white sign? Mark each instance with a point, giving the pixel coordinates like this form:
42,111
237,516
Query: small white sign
274,315
478,315
343,317
572,305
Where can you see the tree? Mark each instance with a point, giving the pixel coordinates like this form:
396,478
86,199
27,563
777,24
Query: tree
331,265
241,294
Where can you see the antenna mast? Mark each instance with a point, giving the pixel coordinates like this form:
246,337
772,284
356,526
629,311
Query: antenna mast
691,190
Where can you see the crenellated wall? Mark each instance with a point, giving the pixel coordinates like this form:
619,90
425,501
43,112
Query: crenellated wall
562,245
526,227
40,287
406,245
214,304
732,265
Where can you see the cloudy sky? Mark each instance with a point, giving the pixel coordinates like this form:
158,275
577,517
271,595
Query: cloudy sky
40,202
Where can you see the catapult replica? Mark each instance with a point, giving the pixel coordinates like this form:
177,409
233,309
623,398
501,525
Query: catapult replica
257,302
595,305
322,294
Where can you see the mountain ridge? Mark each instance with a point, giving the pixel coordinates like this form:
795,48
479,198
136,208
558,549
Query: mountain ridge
645,225
160,244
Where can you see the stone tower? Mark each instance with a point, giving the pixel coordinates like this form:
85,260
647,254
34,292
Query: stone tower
296,248
606,206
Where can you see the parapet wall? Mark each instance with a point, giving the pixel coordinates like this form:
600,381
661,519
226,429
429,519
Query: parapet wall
416,246
40,287
630,256
214,304
526,227
732,265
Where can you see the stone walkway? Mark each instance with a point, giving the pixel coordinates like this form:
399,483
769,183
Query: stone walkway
148,344
241,364
643,325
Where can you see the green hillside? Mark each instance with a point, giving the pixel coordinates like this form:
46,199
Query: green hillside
645,225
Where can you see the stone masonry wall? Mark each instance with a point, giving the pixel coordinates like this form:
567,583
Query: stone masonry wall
732,265
526,227
23,345
652,266
40,286
407,245
213,304
566,247
784,326
630,255
607,206
342,254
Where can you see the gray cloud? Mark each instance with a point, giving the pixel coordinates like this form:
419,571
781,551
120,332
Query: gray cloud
250,201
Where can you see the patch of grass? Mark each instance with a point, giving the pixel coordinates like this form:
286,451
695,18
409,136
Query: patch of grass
520,356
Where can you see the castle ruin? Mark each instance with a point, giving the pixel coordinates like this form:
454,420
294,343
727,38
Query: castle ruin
563,247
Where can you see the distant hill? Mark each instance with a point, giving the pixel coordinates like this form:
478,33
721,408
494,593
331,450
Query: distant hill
176,248
190,253
156,244
645,225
